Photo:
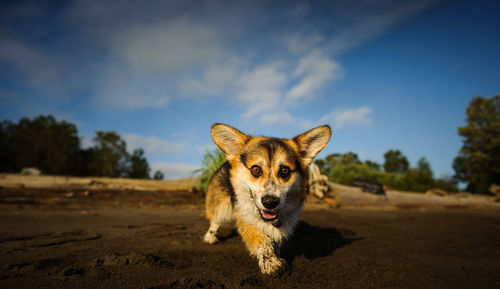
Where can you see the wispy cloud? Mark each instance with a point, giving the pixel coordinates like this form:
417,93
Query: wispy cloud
267,91
152,145
313,71
167,46
261,89
216,79
122,87
348,117
148,59
174,170
146,56
38,69
276,117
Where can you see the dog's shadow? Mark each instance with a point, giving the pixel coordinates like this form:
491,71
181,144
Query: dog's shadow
314,242
308,240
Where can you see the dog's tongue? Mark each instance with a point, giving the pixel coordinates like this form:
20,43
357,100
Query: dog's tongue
269,214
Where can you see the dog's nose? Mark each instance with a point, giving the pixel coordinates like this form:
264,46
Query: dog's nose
270,202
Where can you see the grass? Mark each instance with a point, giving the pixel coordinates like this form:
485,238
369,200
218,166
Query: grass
211,162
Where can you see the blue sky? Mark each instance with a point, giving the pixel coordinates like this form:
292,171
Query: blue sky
384,74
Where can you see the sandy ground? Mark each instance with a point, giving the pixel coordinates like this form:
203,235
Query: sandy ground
126,238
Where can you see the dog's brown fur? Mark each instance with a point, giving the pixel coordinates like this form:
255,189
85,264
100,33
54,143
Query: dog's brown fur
262,185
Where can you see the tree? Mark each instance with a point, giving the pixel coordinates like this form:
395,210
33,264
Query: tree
332,160
7,147
54,148
138,167
395,162
321,165
50,145
109,156
478,162
349,158
424,167
158,175
420,178
372,165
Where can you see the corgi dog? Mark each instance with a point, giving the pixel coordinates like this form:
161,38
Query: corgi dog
262,186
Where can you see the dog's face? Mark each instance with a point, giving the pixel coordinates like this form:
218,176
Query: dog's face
271,173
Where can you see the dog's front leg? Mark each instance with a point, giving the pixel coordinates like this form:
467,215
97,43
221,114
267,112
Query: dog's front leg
263,248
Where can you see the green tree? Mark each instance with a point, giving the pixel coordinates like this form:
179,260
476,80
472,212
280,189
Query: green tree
50,145
138,167
372,165
349,158
424,167
8,159
109,155
336,159
332,160
395,162
418,179
321,165
158,175
478,162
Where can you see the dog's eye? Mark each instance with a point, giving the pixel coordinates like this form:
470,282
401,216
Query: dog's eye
284,172
256,171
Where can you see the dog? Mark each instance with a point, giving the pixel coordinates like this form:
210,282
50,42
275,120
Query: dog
262,186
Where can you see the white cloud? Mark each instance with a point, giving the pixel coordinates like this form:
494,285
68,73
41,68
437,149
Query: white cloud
122,87
136,54
348,117
316,71
152,145
218,78
280,117
362,21
206,148
166,50
174,170
261,89
38,68
167,46
148,60
298,43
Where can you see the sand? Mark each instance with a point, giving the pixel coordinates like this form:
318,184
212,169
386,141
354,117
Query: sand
55,238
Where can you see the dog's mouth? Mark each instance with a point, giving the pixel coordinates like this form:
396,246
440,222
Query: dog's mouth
269,215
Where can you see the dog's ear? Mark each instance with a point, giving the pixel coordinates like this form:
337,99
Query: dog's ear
229,139
312,142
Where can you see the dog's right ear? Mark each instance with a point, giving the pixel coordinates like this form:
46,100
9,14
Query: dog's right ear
230,140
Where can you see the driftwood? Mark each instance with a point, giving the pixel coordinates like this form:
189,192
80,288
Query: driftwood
369,186
495,190
318,183
436,192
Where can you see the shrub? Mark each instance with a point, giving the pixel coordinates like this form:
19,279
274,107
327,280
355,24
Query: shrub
211,162
412,180
345,174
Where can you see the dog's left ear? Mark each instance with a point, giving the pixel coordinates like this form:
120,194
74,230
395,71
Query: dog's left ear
230,140
312,142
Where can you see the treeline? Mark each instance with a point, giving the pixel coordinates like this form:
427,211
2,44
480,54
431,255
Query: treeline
395,173
54,147
478,161
477,164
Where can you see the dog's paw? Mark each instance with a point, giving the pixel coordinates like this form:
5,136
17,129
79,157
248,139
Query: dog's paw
210,238
273,265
